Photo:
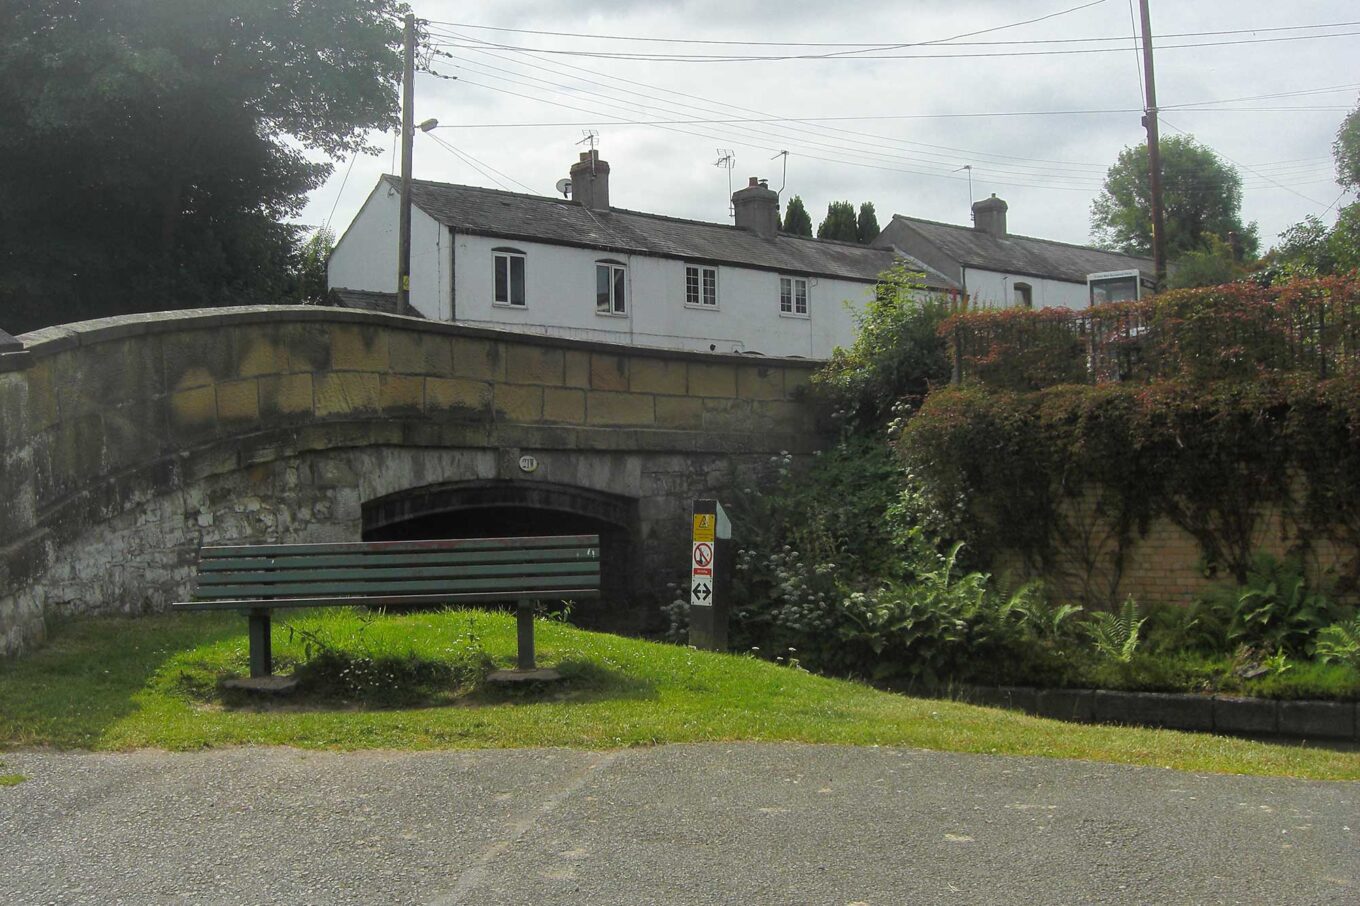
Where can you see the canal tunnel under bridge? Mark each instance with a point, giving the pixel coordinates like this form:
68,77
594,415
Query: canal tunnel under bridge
507,508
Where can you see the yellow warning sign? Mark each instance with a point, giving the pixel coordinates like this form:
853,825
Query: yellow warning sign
704,525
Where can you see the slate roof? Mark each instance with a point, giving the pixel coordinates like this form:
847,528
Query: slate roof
511,215
1023,254
365,300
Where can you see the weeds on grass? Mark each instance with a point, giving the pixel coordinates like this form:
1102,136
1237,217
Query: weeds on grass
344,661
10,779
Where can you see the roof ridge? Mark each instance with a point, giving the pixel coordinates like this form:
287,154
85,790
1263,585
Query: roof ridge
614,210
974,231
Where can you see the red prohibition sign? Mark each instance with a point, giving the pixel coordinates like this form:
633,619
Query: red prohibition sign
703,554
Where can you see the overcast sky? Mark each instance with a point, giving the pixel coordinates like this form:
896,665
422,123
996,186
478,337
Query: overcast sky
1047,167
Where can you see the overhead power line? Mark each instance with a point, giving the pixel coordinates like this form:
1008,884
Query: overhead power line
874,45
481,166
567,70
453,41
814,150
878,45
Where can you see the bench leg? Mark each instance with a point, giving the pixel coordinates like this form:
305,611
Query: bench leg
524,619
261,657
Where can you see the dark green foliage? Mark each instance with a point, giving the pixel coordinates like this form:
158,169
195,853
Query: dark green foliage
854,564
310,282
866,225
1211,266
1346,151
1202,197
898,353
152,151
840,223
1310,248
1274,610
796,219
1208,457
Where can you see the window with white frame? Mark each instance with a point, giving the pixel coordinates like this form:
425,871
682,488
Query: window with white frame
509,277
611,280
793,296
701,286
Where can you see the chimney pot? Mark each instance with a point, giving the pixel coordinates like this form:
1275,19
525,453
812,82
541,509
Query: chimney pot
590,181
753,182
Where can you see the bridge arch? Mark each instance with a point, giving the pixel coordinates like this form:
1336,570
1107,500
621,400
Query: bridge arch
510,507
127,443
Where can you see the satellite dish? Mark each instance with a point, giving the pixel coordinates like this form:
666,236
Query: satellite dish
564,186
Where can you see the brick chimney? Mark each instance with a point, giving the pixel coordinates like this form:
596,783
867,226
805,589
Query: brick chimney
989,216
757,208
590,181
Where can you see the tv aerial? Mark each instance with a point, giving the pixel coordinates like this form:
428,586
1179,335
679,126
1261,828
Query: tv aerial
727,159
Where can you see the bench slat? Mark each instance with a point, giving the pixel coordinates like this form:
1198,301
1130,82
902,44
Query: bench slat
391,600
439,544
358,587
398,573
357,558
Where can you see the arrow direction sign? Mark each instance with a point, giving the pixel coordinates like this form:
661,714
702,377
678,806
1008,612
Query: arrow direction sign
701,591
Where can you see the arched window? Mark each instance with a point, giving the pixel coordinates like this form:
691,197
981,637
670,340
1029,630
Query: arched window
1024,295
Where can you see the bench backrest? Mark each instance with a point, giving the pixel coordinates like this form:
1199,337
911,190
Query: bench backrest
465,569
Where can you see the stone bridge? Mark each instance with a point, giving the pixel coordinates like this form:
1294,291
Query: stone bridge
127,443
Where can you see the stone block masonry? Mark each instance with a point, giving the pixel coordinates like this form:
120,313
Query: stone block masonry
127,443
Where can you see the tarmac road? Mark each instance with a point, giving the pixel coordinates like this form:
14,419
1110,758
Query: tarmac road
700,824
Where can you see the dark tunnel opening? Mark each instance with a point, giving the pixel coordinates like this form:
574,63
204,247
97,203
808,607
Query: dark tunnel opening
517,509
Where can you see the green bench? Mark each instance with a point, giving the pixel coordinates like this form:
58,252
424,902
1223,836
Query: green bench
261,578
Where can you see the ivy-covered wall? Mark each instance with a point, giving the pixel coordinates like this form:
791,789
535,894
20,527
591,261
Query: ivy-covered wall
1150,447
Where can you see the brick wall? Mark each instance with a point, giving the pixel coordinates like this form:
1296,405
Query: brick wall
1164,565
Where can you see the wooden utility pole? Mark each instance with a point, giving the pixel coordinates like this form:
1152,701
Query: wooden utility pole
1154,152
408,78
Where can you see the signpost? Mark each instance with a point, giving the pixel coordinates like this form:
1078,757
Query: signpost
710,576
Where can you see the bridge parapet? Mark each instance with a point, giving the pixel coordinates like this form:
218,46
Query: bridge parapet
100,419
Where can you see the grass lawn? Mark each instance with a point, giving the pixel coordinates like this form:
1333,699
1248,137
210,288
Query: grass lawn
117,684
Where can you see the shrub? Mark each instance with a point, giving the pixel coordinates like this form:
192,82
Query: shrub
1238,331
898,353
1275,610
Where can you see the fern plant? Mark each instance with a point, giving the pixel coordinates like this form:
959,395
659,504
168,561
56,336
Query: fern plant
1340,643
1115,635
1277,608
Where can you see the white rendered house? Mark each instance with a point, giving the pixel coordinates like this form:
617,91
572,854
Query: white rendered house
580,268
998,269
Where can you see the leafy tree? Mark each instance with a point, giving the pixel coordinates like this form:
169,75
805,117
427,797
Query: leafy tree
1202,198
866,227
151,151
796,219
1310,248
1213,266
310,287
1346,151
840,223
